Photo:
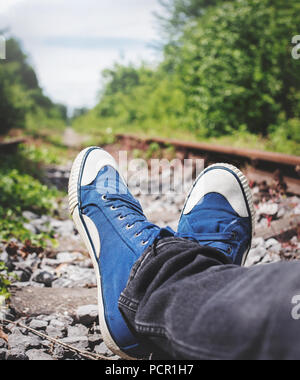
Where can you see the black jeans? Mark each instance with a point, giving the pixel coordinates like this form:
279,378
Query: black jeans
184,301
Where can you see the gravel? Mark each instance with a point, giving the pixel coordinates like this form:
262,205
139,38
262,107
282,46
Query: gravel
69,268
24,345
78,330
38,324
87,314
38,355
43,277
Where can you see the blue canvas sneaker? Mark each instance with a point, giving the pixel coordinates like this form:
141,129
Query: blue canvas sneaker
219,212
116,233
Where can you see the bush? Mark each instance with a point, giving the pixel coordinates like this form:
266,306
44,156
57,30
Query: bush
236,66
21,191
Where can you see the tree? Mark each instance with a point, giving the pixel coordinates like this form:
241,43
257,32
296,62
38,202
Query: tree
27,75
179,13
21,98
236,67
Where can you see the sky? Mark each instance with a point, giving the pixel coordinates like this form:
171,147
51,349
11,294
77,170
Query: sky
69,42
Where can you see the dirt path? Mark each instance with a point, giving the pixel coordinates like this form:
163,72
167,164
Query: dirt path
72,139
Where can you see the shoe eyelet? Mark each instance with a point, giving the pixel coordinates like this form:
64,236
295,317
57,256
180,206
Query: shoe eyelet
229,250
104,198
113,208
120,217
128,227
144,242
137,235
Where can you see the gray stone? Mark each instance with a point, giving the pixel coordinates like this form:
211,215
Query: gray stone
38,324
258,251
268,209
22,342
50,262
267,259
58,352
252,260
271,242
5,258
59,325
258,242
54,332
67,257
30,228
95,340
87,263
33,260
38,355
28,284
43,277
6,313
29,215
87,314
95,329
3,353
66,319
18,330
75,276
102,349
3,343
63,228
77,330
16,354
62,283
276,249
24,266
22,276
281,212
79,342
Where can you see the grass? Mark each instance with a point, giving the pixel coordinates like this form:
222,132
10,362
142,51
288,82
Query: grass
102,135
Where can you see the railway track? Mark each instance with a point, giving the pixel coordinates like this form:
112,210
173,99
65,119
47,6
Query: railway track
259,166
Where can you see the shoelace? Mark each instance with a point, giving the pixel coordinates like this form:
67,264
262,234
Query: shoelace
224,239
131,209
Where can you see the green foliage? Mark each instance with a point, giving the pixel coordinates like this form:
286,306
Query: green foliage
135,98
22,102
153,150
5,281
285,137
45,154
227,71
21,191
236,67
179,13
12,100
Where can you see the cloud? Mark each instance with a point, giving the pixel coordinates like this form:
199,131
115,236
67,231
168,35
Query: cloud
71,41
107,43
5,5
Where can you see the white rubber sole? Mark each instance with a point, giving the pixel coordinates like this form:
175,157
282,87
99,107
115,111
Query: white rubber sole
247,192
75,213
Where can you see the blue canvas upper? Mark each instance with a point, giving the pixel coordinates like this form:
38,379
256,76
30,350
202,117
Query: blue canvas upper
214,223
124,234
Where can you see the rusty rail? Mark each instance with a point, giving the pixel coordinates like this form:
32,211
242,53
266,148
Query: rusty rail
250,154
268,163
